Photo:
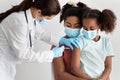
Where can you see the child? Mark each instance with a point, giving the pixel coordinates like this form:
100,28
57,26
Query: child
93,61
71,15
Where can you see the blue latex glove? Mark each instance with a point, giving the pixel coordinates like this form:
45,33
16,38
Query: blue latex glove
70,42
58,51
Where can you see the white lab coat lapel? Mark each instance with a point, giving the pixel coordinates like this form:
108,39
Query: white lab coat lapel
31,25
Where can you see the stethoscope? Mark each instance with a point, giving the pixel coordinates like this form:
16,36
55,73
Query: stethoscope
30,39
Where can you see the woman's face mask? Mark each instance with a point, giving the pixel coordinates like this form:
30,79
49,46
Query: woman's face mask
89,34
44,21
72,32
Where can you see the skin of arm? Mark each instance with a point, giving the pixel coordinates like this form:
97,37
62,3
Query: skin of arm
106,73
75,65
59,69
108,67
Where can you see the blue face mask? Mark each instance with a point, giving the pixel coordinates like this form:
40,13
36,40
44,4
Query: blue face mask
72,32
44,21
90,34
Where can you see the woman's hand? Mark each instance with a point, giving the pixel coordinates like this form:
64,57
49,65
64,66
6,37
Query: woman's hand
70,42
58,51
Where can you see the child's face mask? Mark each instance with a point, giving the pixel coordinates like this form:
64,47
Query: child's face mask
72,32
89,34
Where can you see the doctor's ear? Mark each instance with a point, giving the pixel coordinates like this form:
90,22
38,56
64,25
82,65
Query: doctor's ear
39,12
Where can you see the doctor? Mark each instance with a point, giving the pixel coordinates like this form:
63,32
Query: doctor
19,26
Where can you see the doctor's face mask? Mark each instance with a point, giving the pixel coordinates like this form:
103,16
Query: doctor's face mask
43,19
72,26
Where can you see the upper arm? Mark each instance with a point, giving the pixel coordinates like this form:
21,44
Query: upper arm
58,65
76,55
75,58
110,54
108,61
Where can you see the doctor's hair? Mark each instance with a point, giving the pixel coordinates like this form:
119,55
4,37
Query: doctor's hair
71,10
106,19
48,7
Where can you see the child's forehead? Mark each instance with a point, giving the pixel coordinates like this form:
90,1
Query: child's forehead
89,21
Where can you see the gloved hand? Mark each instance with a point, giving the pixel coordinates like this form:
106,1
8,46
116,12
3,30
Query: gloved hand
58,51
70,42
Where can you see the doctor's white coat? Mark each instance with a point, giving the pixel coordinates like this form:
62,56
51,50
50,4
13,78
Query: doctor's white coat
15,43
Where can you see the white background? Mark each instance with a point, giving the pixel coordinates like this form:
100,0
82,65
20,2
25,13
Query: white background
43,71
